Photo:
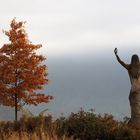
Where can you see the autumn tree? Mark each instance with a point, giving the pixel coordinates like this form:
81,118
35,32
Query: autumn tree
22,73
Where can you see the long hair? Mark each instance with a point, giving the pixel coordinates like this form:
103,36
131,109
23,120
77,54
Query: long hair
135,66
134,59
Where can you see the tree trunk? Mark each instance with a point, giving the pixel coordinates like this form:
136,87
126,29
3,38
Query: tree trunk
134,99
16,108
16,103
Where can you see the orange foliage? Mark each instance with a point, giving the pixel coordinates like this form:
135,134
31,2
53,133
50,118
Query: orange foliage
21,72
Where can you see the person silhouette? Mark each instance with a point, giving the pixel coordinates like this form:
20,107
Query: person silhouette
134,74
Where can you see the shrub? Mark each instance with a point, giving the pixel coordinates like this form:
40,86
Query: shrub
89,126
80,125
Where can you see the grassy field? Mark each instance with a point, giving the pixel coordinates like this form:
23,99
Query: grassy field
32,136
77,126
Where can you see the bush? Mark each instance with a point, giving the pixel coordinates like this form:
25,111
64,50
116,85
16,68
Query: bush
89,126
82,125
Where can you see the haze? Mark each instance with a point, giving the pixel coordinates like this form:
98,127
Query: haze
78,38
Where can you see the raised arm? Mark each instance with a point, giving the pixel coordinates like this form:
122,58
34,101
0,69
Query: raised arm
119,60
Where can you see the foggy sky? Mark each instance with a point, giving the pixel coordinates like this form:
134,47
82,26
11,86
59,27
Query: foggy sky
89,81
75,26
78,38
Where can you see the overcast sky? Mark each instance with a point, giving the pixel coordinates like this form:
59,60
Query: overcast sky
78,38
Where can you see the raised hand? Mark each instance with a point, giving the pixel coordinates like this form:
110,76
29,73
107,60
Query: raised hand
115,51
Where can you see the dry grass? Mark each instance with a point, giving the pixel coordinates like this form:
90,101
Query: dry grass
32,136
82,125
33,128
